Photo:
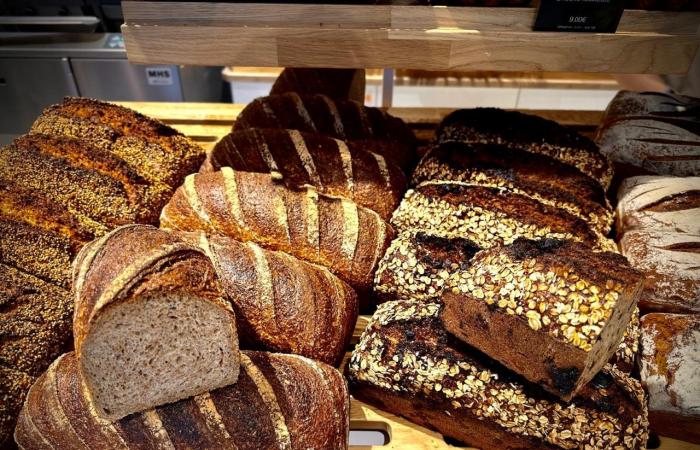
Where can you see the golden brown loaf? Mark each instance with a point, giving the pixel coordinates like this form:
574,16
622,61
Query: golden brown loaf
334,232
280,401
341,84
301,159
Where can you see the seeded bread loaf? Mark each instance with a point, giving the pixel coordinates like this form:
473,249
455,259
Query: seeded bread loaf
669,365
526,132
407,364
488,216
334,232
550,310
538,176
282,304
360,126
656,131
341,84
310,159
280,401
124,283
14,385
625,356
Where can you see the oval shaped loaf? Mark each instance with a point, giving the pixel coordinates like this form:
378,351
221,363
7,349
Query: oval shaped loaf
331,231
279,402
125,283
282,304
310,159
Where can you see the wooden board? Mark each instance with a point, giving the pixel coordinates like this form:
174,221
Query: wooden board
418,37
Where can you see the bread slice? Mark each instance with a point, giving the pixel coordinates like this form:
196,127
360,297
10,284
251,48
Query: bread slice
550,310
150,319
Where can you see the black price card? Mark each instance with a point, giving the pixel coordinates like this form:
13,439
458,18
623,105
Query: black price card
593,16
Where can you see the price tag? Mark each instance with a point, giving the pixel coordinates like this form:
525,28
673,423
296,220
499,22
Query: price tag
159,76
593,16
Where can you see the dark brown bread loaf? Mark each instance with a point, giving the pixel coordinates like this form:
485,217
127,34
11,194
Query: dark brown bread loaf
280,401
538,176
656,131
550,310
334,232
668,366
340,84
311,159
488,216
406,363
526,132
14,386
282,304
360,126
124,283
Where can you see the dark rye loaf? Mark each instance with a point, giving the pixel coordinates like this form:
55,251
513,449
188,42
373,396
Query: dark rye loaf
341,84
279,401
406,363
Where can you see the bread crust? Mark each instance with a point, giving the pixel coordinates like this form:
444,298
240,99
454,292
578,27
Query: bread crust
341,84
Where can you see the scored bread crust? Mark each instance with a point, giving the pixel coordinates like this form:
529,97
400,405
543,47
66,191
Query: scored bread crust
280,401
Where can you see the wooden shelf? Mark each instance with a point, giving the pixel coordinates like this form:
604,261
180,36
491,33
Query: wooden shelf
413,37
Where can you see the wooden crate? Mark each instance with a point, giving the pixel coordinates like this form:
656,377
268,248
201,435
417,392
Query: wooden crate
412,37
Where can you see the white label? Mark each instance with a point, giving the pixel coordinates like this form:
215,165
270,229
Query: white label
159,76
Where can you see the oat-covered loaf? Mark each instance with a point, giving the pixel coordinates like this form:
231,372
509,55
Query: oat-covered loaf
488,216
301,158
280,401
656,131
625,356
341,84
360,126
408,364
334,232
552,311
539,176
526,132
669,366
659,203
670,264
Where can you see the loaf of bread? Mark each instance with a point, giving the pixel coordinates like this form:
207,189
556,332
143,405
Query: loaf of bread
125,283
655,131
360,126
340,84
406,363
550,310
659,203
488,216
282,304
330,231
280,401
538,176
670,263
526,132
302,159
14,385
669,365
625,356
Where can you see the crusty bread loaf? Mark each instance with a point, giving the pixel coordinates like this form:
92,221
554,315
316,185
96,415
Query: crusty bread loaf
360,126
538,176
310,159
488,216
655,131
330,231
406,363
669,365
550,310
341,84
279,401
526,132
124,283
282,304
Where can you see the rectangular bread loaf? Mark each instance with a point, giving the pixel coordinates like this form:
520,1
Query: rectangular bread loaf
407,364
341,84
131,279
280,401
552,311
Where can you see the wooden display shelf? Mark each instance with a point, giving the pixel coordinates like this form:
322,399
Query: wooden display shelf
413,37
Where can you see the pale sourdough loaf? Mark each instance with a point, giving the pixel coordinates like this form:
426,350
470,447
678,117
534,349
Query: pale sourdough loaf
150,317
334,232
549,310
279,402
341,84
301,159
406,363
282,304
